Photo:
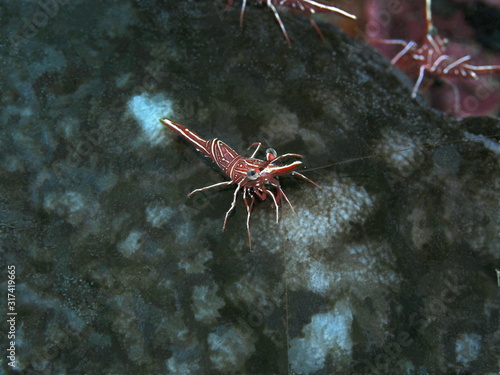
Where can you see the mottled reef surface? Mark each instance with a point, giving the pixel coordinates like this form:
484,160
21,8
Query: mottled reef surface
389,269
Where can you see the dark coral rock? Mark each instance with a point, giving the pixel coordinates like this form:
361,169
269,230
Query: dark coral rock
389,269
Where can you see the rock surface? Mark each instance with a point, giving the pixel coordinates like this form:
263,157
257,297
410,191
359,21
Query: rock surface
390,269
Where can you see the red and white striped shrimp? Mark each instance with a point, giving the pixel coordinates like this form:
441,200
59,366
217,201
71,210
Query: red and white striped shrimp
307,7
431,57
257,178
254,177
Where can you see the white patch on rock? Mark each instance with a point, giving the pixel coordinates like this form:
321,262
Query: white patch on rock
230,347
106,181
122,80
421,230
52,60
122,16
255,291
196,265
173,218
400,152
327,334
69,127
285,125
467,347
359,267
489,143
75,206
158,216
324,215
148,110
179,366
131,244
12,163
206,303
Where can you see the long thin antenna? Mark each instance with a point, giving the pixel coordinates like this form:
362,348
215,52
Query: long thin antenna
286,322
395,152
428,18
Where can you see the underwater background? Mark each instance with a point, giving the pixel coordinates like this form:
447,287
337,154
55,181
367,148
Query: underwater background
390,268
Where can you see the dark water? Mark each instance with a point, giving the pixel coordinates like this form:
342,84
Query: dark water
390,268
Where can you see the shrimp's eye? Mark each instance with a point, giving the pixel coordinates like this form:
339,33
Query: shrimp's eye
252,175
271,154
